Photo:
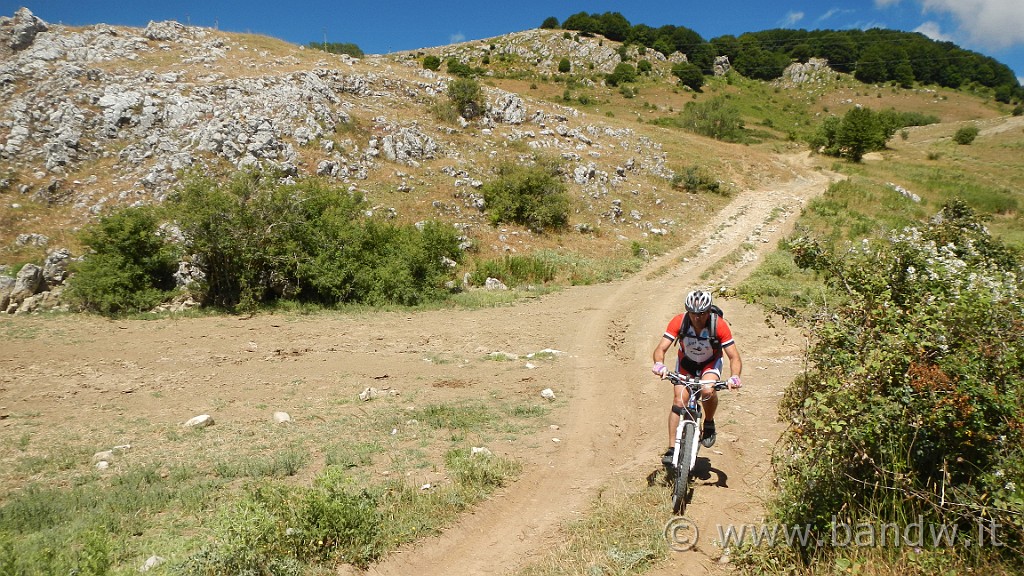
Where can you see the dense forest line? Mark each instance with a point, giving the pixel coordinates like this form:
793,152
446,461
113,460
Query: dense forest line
872,56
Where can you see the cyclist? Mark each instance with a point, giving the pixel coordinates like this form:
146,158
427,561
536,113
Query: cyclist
700,355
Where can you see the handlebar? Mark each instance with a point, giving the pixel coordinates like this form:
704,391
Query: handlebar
695,383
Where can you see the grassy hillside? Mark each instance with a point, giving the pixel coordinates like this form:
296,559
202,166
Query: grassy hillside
777,118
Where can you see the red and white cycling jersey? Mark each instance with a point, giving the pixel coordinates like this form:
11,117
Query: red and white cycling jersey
697,347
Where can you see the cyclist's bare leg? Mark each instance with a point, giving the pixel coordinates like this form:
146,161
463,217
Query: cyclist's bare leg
681,397
710,406
710,402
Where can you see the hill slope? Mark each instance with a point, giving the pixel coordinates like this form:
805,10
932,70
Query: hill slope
101,116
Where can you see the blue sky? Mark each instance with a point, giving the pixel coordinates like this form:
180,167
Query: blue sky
992,27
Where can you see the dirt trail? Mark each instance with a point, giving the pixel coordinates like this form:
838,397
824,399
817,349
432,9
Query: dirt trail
110,383
616,426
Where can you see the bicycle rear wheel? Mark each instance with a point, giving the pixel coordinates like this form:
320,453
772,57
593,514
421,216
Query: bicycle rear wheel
681,486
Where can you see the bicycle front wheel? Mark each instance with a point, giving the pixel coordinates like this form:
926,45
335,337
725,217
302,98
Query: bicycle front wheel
681,487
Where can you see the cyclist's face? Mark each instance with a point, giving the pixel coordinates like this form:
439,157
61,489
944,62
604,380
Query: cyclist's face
699,316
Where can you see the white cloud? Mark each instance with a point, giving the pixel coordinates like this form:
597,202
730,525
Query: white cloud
456,38
993,23
933,31
885,3
792,18
833,12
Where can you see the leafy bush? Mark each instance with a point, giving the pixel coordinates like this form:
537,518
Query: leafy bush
623,72
966,134
131,267
532,196
460,69
716,118
858,133
914,402
892,120
862,130
348,48
697,179
564,66
466,95
689,75
1018,110
644,67
258,241
431,62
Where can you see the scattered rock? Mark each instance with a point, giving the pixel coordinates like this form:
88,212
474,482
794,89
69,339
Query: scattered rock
151,562
282,418
494,284
201,421
481,451
371,393
547,394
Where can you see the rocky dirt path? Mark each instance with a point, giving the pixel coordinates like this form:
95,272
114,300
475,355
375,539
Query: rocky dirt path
615,428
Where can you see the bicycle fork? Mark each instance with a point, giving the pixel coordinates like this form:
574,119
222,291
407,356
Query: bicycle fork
685,454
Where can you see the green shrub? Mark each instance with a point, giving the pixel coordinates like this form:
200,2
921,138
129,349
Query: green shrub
564,66
258,241
131,265
913,404
623,72
861,130
431,62
460,69
697,179
338,48
1018,110
689,75
467,96
966,134
716,118
532,196
644,67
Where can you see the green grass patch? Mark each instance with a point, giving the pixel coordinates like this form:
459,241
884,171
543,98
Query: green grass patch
620,534
239,511
545,267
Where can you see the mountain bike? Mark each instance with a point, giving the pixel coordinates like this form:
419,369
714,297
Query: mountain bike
688,435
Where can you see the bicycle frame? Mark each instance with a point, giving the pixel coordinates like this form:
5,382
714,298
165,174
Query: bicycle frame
687,443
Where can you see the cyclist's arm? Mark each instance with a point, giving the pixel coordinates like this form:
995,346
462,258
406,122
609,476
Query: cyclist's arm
735,362
661,349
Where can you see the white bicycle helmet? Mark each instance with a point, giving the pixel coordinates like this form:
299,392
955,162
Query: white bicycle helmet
698,301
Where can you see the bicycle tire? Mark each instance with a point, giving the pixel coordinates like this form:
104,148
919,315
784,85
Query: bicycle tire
681,486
